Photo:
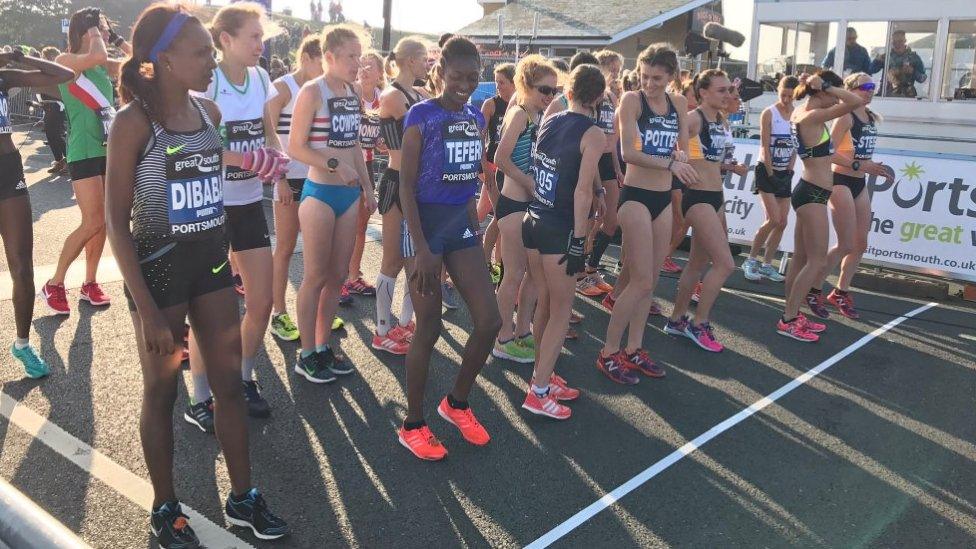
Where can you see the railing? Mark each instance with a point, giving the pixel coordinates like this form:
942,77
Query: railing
24,525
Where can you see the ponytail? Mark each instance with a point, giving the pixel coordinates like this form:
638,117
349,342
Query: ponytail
388,65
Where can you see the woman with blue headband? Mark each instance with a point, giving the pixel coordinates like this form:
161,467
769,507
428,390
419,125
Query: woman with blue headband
166,225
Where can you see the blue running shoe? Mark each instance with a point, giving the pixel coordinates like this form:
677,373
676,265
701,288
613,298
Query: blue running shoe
34,366
251,511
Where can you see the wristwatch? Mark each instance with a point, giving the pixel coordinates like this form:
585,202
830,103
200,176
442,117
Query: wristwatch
856,165
332,164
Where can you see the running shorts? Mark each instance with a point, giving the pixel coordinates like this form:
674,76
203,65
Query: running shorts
607,173
247,227
447,228
89,167
690,197
184,271
778,184
548,237
807,193
508,206
12,182
655,201
388,192
855,184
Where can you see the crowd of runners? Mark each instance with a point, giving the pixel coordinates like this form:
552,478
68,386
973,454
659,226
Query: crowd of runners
567,158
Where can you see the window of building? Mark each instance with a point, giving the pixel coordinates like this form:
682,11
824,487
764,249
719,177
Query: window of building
791,48
959,77
899,55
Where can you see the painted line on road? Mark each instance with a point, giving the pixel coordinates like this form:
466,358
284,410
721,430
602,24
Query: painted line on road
98,465
644,476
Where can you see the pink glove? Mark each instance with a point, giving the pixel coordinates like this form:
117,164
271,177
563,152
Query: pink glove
270,164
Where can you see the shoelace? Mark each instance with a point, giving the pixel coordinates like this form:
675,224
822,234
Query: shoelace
287,322
707,328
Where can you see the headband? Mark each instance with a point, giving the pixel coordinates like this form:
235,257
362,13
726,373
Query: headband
165,39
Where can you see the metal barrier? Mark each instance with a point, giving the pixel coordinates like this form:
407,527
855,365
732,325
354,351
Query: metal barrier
22,108
24,525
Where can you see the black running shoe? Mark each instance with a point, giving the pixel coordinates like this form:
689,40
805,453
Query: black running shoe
201,414
336,366
170,527
311,368
251,511
256,405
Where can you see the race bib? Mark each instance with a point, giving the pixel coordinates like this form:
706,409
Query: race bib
604,117
782,149
195,196
864,148
462,151
4,117
661,136
106,116
369,131
546,172
242,136
345,119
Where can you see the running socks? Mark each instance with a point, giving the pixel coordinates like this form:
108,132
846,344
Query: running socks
306,354
406,308
201,388
600,243
456,404
385,288
22,343
321,348
411,425
541,392
247,367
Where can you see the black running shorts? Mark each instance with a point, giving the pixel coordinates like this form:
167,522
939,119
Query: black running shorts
12,182
247,227
184,271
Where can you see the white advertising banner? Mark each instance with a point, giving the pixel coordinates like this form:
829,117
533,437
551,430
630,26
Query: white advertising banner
924,220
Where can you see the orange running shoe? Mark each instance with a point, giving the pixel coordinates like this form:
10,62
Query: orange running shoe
587,286
464,420
390,344
696,295
422,443
401,333
608,302
669,266
575,318
560,390
546,406
598,281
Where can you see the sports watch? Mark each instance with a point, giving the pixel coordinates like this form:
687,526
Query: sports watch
332,164
856,165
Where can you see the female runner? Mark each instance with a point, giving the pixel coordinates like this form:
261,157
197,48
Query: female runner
165,179
827,101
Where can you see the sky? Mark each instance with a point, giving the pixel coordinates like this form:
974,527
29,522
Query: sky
429,16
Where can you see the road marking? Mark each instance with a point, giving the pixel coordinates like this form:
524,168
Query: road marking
967,336
609,499
104,469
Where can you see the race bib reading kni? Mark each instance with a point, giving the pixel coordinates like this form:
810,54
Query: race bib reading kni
782,147
195,197
243,136
345,118
462,151
546,170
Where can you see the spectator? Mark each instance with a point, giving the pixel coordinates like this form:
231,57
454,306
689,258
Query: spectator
856,58
54,120
902,68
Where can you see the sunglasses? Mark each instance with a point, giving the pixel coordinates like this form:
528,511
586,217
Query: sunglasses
867,86
548,90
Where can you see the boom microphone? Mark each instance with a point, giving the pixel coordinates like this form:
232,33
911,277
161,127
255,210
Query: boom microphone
721,33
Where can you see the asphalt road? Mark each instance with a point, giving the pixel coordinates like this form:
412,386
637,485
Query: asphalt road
876,451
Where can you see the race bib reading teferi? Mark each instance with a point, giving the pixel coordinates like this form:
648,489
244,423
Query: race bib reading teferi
243,136
195,193
345,118
462,151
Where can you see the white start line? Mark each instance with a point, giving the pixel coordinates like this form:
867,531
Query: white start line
99,466
654,470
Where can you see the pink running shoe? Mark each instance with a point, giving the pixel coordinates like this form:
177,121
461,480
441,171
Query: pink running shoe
670,266
703,336
56,297
92,293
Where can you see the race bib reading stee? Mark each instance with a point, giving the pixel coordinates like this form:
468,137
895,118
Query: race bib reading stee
195,192
546,170
345,117
462,151
242,136
864,148
604,117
